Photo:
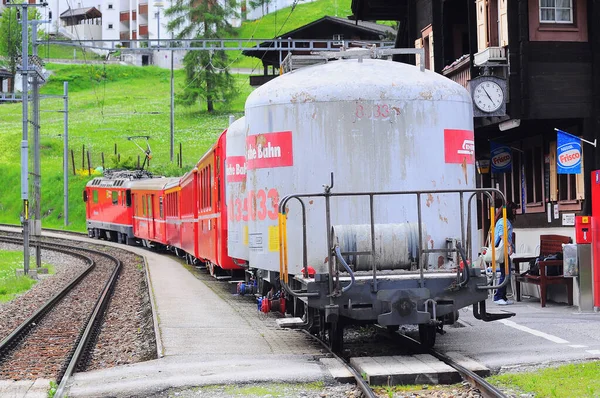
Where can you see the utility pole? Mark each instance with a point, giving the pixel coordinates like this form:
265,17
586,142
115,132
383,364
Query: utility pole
172,106
35,100
25,139
66,153
35,90
25,72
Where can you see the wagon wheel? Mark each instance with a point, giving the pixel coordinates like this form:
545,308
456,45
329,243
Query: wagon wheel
427,334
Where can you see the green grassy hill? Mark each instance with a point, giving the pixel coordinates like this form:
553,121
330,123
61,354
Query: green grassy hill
283,21
108,104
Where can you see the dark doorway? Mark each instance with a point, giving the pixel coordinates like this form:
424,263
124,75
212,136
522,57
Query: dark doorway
145,60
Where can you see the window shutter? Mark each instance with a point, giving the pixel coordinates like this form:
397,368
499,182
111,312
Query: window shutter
553,175
431,64
579,183
418,44
503,11
482,36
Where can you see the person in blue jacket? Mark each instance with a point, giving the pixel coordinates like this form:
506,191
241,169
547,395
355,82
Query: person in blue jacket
511,208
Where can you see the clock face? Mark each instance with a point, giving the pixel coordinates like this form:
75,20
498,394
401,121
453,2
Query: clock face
488,96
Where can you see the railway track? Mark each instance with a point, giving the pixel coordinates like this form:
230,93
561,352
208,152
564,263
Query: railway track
55,340
486,389
407,343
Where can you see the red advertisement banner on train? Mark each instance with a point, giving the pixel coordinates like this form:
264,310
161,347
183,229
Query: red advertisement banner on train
459,146
236,168
269,150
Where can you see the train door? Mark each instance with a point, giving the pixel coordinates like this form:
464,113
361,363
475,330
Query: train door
151,226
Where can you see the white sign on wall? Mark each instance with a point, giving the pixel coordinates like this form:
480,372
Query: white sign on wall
568,219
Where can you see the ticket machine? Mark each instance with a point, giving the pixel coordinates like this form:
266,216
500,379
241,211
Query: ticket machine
583,245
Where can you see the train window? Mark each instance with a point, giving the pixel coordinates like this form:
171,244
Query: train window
143,205
160,207
95,196
128,198
202,189
209,187
115,197
205,189
150,205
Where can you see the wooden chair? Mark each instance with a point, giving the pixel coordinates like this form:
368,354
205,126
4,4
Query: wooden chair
549,244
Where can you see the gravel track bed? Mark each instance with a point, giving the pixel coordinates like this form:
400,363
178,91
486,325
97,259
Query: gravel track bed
45,351
14,312
126,335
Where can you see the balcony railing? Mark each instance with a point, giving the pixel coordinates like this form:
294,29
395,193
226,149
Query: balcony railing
143,30
125,35
489,56
459,71
125,16
143,9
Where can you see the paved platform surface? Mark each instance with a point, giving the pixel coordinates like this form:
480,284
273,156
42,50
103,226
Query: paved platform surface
24,388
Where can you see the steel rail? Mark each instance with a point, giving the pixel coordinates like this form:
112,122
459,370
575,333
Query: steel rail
58,231
94,322
487,390
19,332
360,382
85,338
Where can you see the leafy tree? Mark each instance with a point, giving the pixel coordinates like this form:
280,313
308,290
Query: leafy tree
10,38
207,72
10,41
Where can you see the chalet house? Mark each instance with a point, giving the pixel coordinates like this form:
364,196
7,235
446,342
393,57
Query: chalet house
5,78
327,28
545,56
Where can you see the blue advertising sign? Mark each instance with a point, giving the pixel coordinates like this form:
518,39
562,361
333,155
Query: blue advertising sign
501,158
568,153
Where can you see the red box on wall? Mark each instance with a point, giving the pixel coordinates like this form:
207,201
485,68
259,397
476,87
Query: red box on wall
583,229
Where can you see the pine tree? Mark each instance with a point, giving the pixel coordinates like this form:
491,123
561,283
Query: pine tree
207,73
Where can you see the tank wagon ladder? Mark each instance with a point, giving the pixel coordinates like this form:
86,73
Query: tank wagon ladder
428,328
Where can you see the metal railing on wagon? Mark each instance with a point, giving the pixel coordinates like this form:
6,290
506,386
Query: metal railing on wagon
492,194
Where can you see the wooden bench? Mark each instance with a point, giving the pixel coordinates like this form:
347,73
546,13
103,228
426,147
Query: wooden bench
549,244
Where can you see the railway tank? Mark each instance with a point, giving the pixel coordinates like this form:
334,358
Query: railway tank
235,190
376,125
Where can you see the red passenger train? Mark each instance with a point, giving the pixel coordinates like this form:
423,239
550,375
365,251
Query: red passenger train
187,215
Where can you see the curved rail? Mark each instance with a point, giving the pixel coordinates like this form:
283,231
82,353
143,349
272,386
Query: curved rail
94,322
18,333
85,338
360,382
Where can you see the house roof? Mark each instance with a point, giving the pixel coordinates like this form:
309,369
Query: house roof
363,26
322,29
5,72
81,13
